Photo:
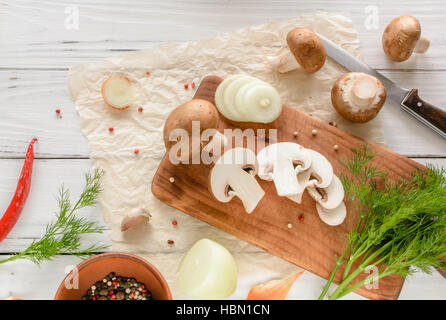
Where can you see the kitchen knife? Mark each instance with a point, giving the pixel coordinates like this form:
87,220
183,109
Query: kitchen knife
431,116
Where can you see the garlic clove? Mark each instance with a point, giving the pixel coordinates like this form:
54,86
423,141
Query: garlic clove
135,217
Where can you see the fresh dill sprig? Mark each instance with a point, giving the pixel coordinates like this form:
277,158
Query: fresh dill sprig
401,228
63,236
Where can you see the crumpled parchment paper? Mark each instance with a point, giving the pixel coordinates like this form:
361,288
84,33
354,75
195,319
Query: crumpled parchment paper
128,176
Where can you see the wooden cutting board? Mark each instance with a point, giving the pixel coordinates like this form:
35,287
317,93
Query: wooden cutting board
310,244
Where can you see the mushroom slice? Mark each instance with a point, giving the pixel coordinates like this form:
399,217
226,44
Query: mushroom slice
234,175
321,171
117,92
333,217
303,178
329,197
306,51
281,162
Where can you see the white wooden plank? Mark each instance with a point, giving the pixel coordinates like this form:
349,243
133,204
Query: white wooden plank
34,34
30,98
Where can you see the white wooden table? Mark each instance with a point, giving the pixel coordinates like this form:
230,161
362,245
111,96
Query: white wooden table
40,40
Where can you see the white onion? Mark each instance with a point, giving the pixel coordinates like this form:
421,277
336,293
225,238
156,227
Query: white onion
208,271
230,95
219,98
243,98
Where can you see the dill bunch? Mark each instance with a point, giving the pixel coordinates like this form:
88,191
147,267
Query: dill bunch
63,236
401,228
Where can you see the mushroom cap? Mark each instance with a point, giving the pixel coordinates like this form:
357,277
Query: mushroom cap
307,48
343,97
181,118
400,37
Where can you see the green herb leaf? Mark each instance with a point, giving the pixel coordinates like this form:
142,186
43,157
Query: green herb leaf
402,226
63,236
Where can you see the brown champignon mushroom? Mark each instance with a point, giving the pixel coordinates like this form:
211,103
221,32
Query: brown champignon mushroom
358,97
402,37
306,51
183,117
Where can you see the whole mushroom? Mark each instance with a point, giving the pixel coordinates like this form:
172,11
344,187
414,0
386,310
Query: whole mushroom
402,37
306,51
183,117
358,96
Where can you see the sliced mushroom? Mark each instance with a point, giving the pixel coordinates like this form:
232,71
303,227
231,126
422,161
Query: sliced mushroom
329,197
333,217
281,162
303,178
358,96
205,116
402,37
320,172
306,51
135,217
234,175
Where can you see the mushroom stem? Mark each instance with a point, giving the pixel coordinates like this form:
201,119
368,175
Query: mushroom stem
422,45
364,91
283,63
249,192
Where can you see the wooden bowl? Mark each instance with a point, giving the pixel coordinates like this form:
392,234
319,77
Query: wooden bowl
122,264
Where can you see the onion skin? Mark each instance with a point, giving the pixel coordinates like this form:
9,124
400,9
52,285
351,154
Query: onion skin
274,289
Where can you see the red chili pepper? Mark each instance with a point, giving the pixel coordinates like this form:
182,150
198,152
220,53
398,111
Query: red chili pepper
192,84
58,111
140,109
174,222
111,129
11,215
136,151
170,242
148,73
186,85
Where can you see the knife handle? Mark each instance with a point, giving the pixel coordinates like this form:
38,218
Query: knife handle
427,113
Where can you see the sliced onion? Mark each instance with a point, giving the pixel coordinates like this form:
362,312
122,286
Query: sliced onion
262,102
244,98
231,93
219,95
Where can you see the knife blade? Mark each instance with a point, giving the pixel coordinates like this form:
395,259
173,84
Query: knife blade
408,99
